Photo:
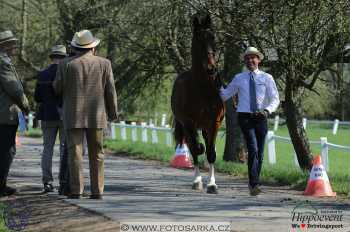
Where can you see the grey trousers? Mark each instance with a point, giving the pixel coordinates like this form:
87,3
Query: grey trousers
50,130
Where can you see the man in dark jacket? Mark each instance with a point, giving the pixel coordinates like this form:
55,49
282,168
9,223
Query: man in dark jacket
12,101
50,115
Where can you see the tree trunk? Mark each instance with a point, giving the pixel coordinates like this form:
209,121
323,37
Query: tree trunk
234,144
295,127
65,12
340,91
22,54
24,27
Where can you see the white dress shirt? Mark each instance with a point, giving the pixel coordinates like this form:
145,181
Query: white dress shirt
266,91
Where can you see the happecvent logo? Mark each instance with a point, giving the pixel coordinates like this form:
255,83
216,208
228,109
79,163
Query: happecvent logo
306,217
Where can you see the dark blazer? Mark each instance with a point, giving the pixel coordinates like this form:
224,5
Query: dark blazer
45,95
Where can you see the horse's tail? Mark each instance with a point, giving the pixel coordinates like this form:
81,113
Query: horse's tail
179,133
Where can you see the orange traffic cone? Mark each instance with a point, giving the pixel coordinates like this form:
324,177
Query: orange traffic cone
18,143
182,157
318,184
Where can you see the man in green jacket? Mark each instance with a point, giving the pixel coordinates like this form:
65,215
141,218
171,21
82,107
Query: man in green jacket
12,102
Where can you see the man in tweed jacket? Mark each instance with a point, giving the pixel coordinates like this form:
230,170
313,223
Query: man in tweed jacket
86,84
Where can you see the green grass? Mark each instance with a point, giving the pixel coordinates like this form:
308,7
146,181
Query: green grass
284,172
34,133
3,227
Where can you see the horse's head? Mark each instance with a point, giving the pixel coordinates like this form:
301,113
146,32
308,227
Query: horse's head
203,44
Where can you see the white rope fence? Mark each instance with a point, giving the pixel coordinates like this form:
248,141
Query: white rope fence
324,147
146,130
154,132
305,121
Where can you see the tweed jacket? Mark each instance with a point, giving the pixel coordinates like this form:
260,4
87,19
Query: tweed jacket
12,98
86,84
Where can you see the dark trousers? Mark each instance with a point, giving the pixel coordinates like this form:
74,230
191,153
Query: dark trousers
254,130
7,151
64,170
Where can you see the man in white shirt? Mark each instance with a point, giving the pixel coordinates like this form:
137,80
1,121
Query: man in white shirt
257,98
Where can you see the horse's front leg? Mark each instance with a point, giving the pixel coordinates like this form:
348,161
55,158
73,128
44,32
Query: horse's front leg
197,182
196,149
209,137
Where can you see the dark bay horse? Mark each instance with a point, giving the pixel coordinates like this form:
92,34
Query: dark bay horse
196,103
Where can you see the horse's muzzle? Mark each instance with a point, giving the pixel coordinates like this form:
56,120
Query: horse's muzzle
212,71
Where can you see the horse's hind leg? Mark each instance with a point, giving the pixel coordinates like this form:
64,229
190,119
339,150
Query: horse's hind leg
211,157
179,133
196,149
191,136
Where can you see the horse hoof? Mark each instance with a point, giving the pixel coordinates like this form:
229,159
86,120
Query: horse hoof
197,186
213,189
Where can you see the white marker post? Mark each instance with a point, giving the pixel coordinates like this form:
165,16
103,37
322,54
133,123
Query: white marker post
277,119
271,147
335,126
324,153
144,132
133,132
30,120
123,130
113,131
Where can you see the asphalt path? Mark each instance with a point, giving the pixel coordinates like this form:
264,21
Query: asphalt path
146,191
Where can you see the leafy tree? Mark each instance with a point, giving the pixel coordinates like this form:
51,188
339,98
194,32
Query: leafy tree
307,42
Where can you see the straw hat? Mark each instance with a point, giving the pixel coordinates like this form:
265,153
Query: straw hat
252,51
58,50
7,36
84,39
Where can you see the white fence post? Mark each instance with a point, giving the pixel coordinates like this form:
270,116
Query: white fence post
113,131
144,132
163,120
123,130
324,152
30,120
304,123
154,135
133,132
335,126
277,119
168,136
271,148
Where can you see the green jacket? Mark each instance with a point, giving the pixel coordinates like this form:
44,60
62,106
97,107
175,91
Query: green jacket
12,98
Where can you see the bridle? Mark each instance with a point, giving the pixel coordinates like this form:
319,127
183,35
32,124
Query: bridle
212,71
